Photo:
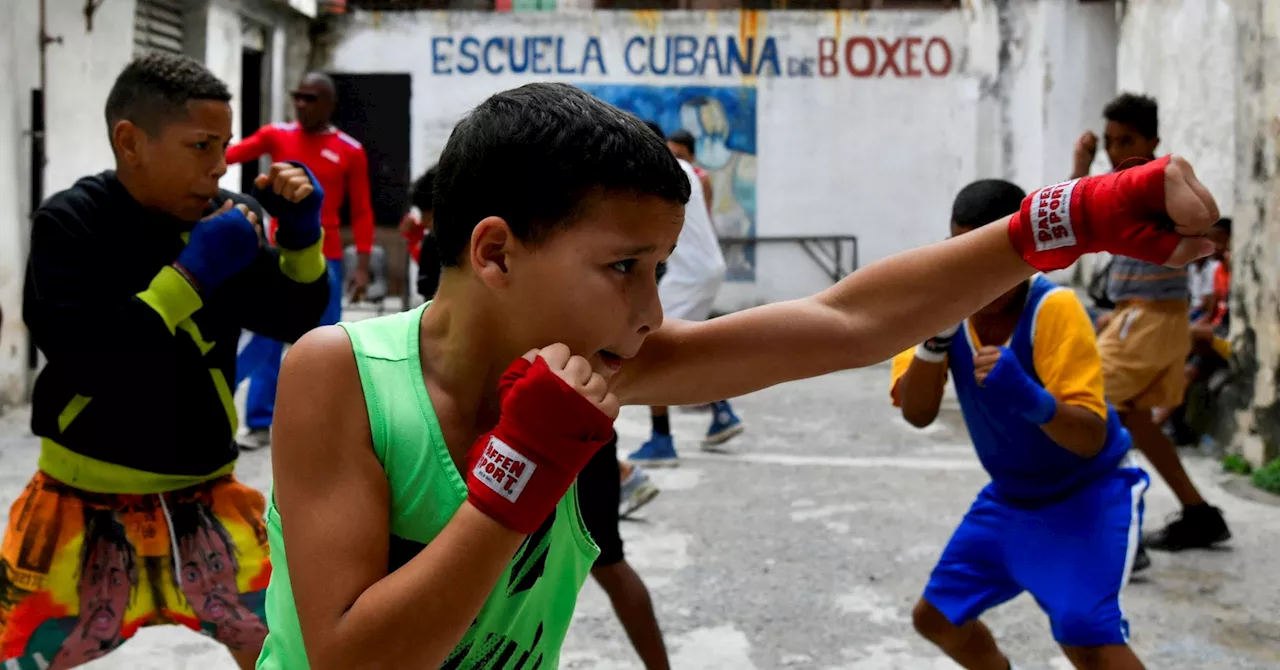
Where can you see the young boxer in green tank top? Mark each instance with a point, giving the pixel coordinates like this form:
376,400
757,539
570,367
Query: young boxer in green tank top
424,512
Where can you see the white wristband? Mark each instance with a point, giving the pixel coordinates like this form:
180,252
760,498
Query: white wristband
930,356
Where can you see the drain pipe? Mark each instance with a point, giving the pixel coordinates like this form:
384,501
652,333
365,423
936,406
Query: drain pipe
38,161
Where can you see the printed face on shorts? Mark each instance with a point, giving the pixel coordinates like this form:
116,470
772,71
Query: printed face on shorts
208,575
593,286
105,589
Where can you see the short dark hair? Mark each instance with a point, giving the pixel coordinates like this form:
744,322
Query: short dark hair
657,129
685,139
984,201
423,190
155,88
102,526
1136,111
323,80
533,154
190,517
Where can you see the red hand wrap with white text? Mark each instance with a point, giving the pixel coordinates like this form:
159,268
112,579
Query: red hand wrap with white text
1121,212
546,434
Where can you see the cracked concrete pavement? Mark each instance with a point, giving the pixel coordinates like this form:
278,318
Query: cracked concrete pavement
808,544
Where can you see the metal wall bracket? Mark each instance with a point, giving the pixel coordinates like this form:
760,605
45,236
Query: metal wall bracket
90,7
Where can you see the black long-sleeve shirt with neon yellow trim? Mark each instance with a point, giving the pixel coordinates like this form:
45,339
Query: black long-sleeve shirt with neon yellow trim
140,366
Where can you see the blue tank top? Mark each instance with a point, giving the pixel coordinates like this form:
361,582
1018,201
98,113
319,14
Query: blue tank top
1025,465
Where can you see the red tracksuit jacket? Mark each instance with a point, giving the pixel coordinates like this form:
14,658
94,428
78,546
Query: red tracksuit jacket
338,162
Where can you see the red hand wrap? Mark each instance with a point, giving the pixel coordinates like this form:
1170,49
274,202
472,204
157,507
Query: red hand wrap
547,432
1118,212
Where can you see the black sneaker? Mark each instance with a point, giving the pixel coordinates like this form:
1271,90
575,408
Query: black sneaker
1198,527
1141,561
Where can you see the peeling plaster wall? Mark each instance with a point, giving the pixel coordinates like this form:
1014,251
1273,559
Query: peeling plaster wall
1214,66
1254,423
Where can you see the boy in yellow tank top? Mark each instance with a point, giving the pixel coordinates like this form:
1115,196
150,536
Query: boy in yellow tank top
423,485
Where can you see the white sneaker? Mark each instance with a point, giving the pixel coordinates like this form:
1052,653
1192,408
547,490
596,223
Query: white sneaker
637,491
254,439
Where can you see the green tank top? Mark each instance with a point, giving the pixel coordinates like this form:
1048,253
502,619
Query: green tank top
524,620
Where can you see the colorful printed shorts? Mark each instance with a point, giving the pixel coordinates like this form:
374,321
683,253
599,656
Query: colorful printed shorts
81,572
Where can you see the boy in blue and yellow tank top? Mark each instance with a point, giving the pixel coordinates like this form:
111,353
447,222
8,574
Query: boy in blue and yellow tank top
1062,513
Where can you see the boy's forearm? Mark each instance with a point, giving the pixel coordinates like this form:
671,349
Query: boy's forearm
867,317
920,391
1077,430
414,617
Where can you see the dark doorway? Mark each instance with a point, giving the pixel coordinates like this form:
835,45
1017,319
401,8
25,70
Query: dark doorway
374,109
251,76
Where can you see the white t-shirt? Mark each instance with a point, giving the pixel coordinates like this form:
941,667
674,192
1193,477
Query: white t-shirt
696,268
1200,281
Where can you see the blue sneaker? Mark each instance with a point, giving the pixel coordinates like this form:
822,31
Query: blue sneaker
724,425
659,451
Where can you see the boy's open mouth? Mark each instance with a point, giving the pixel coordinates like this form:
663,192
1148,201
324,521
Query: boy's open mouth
610,360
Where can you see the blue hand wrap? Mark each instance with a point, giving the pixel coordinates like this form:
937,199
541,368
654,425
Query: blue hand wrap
1010,384
299,222
218,248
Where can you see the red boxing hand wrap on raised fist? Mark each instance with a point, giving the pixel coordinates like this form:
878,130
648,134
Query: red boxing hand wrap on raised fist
546,434
1118,212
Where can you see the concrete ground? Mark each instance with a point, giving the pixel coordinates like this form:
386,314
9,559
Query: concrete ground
808,545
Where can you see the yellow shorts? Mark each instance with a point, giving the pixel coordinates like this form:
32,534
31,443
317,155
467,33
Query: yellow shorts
81,572
1144,352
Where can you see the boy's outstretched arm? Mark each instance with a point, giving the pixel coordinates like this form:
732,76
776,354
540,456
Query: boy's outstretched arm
899,301
333,500
867,317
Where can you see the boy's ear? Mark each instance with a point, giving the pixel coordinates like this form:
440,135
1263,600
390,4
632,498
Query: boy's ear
126,141
492,244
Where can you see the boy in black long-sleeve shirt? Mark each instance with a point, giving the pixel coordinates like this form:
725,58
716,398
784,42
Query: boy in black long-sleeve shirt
138,284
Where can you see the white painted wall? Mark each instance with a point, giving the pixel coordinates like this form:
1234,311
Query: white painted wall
1079,79
80,71
879,157
1183,52
277,71
222,56
18,73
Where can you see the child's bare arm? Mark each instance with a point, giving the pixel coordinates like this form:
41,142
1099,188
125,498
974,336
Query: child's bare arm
897,302
333,500
864,319
919,392
1077,429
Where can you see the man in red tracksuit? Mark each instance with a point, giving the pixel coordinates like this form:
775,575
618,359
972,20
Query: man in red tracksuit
339,164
